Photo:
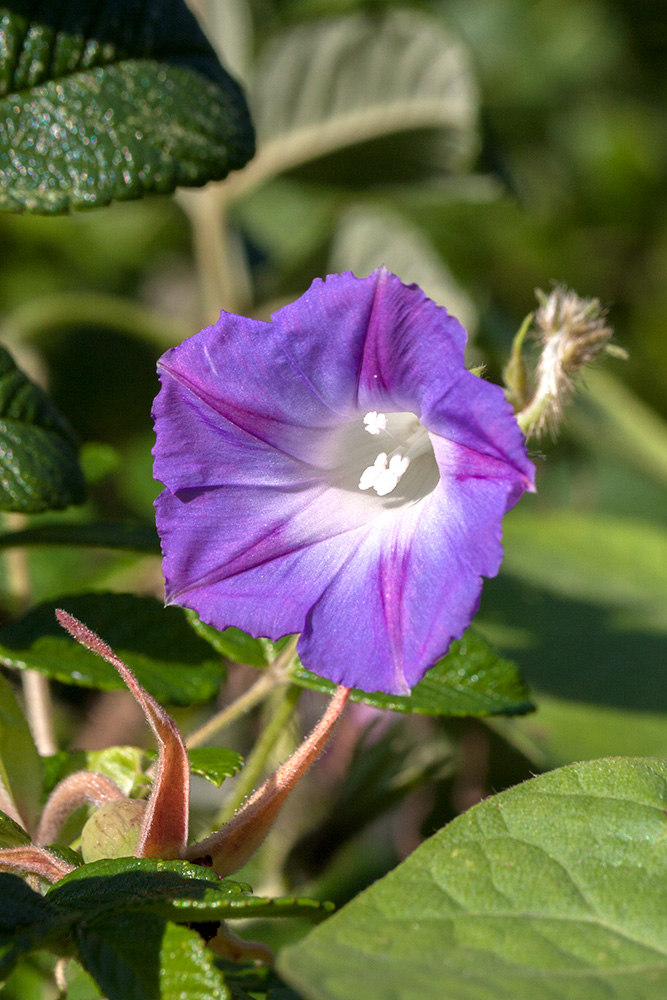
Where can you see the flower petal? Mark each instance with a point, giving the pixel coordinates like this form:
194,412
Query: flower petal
263,523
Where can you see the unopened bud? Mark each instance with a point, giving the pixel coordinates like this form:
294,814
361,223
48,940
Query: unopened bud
572,332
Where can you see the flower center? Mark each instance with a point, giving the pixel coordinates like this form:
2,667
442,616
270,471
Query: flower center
406,440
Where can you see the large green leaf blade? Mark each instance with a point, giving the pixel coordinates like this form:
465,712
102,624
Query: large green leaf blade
39,469
556,888
333,83
167,658
111,99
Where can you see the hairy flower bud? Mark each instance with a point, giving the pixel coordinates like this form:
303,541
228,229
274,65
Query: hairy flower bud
572,332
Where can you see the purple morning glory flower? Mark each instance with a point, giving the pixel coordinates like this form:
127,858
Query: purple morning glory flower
339,473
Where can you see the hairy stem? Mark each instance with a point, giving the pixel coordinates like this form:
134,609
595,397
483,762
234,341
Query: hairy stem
282,713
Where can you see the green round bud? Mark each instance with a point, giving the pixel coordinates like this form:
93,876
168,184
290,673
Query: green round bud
113,830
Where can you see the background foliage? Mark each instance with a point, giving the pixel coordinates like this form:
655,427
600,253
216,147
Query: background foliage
545,161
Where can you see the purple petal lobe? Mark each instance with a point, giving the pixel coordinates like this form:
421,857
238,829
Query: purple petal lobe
338,473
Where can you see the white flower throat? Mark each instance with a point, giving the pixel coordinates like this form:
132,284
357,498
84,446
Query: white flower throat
388,468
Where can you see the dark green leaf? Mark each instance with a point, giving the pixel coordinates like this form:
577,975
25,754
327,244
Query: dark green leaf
11,834
174,665
556,888
102,534
470,680
111,99
215,763
21,772
174,890
38,464
27,921
141,957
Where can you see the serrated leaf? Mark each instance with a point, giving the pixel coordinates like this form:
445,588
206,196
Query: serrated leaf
336,82
172,890
556,888
21,772
470,680
215,763
102,534
111,100
236,645
11,834
169,661
140,957
38,452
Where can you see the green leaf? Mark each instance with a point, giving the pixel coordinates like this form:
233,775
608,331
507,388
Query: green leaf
21,772
470,680
173,890
556,888
215,763
141,957
236,645
38,464
174,665
597,558
334,83
103,534
27,921
123,764
113,99
11,834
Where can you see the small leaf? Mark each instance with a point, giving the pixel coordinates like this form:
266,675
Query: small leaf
470,680
113,99
215,763
174,665
11,834
141,957
122,764
21,772
337,82
556,888
38,464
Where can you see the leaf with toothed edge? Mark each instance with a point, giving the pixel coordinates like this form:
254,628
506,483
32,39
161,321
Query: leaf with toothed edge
111,99
39,469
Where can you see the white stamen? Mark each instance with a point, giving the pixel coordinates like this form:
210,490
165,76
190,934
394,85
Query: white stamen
375,422
382,478
370,475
